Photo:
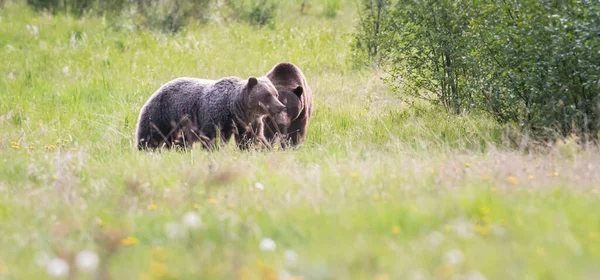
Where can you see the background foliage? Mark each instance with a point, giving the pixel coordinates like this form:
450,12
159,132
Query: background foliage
165,15
530,63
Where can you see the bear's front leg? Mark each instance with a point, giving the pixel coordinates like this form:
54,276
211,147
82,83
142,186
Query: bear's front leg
259,135
243,135
209,141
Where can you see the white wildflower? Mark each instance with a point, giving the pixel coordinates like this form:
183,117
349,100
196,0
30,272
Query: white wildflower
192,220
464,229
32,29
57,268
475,276
65,70
86,260
259,185
284,275
42,259
453,257
498,230
290,256
267,244
11,76
435,238
173,230
417,275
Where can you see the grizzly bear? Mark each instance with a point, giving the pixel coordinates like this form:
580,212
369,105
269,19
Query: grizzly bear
289,127
188,110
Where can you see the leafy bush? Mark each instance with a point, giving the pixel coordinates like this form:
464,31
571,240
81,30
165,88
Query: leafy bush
255,12
165,15
331,8
531,63
74,7
374,21
172,15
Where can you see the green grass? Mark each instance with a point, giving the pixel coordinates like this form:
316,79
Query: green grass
381,190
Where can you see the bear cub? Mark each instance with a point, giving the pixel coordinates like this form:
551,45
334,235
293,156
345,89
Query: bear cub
188,110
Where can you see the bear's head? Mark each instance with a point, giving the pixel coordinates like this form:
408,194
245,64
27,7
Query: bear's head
292,100
263,97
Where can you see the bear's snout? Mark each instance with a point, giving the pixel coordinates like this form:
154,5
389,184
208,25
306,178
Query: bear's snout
279,108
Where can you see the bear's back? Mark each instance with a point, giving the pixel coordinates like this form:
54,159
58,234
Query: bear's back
286,74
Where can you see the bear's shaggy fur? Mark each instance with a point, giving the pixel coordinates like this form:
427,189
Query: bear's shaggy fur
289,127
187,110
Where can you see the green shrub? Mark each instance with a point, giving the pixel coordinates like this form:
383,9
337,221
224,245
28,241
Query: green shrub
255,12
166,15
331,8
172,15
74,7
531,63
374,22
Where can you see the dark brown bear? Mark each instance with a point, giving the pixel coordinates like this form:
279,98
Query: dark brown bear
187,110
289,127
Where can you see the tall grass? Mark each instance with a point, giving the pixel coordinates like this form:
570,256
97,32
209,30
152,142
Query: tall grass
381,190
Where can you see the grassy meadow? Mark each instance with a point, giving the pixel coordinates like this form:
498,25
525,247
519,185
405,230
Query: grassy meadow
381,190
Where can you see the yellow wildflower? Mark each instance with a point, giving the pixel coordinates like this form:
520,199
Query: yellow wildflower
486,219
353,174
159,253
396,229
483,230
540,251
129,241
158,269
153,206
594,235
531,177
448,228
196,206
555,174
382,276
512,180
467,164
376,197
54,177
3,268
484,210
212,201
444,271
65,141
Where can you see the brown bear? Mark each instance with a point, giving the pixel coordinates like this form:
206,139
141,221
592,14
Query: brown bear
289,127
187,110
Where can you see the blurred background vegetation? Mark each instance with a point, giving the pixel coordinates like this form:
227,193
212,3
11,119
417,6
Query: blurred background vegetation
530,64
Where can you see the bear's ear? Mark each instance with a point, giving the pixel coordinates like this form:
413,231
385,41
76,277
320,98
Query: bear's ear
252,82
298,91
